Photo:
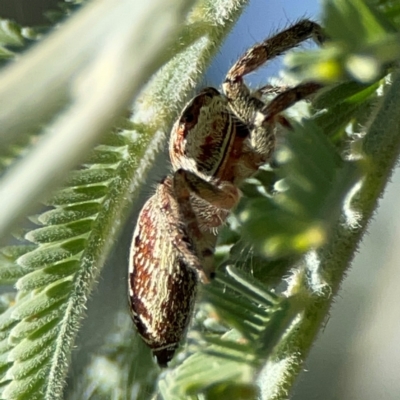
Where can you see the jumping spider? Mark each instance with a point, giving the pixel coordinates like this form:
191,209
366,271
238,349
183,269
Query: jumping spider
218,141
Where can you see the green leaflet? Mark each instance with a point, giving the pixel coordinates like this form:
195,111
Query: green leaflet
363,40
228,364
46,272
315,182
31,346
46,276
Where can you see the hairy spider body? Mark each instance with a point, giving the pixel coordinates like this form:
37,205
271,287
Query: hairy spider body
162,288
218,141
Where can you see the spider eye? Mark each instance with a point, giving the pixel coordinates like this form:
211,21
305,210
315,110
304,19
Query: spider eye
187,117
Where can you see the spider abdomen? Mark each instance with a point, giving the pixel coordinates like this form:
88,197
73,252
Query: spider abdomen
162,287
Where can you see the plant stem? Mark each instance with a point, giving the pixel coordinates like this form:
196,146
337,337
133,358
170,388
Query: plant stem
381,147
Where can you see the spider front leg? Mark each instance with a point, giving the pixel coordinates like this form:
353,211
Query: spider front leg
250,108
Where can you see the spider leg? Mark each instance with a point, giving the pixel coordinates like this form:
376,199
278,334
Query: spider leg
249,107
246,106
269,89
224,197
287,98
274,46
268,115
176,229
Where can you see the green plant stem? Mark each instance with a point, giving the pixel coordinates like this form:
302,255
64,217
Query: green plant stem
381,149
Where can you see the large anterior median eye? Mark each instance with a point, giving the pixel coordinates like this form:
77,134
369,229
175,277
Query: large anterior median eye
187,117
191,113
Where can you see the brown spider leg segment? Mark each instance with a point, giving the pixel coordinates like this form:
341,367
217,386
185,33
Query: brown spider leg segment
187,214
224,196
250,108
242,102
269,89
163,274
272,47
288,98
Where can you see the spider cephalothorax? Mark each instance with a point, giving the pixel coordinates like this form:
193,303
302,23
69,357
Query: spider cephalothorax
218,141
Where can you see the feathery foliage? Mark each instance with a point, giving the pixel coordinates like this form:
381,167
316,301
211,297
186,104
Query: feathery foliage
283,253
